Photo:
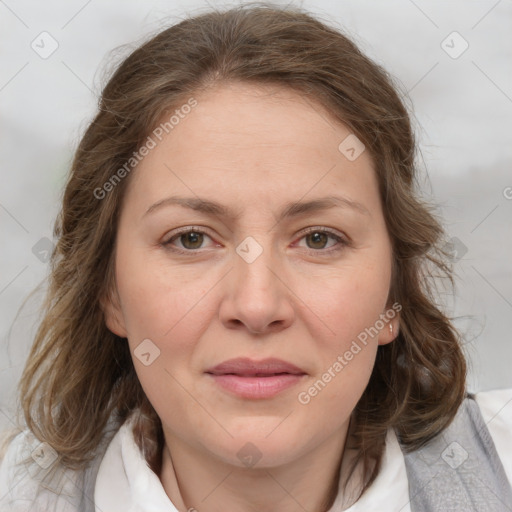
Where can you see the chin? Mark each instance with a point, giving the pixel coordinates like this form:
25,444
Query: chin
258,443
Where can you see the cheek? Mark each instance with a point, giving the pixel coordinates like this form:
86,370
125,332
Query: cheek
342,382
348,301
171,309
159,301
349,307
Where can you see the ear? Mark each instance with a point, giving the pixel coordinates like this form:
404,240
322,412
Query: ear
390,330
113,314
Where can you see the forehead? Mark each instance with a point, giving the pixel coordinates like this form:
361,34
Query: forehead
252,141
261,121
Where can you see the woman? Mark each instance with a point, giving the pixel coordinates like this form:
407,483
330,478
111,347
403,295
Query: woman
241,313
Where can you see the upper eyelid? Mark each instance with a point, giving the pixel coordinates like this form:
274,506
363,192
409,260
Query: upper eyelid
188,229
323,229
301,234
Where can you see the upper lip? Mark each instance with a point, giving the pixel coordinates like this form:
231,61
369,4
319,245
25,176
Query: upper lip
249,367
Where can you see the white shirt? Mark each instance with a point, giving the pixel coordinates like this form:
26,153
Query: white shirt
126,484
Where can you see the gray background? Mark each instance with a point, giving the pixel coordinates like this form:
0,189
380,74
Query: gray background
462,109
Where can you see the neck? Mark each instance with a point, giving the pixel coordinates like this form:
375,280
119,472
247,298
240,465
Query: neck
195,480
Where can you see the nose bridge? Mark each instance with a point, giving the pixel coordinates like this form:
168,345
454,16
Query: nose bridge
255,296
255,264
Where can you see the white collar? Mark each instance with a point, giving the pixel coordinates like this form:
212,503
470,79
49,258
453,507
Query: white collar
390,489
125,483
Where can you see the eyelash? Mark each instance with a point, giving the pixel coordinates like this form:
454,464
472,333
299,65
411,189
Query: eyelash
342,242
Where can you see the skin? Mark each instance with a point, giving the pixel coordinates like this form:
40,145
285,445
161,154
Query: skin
252,149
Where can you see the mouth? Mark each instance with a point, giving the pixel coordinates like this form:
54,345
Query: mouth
244,366
256,379
254,374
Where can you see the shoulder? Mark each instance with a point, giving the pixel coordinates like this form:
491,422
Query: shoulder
33,479
496,409
469,462
16,485
30,477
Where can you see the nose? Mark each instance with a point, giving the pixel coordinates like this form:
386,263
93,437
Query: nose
256,296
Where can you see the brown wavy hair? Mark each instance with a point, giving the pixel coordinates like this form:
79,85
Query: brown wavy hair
79,374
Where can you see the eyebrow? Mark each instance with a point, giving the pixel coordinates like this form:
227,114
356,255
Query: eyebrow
292,209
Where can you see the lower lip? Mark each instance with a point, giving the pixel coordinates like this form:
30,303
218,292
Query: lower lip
257,387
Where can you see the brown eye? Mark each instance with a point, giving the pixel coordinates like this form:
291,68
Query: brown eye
192,240
322,241
317,240
188,240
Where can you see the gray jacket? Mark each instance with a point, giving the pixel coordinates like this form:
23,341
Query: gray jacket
457,471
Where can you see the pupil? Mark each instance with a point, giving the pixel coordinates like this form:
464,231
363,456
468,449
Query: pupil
192,240
318,237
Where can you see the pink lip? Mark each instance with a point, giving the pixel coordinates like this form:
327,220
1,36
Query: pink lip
248,367
256,379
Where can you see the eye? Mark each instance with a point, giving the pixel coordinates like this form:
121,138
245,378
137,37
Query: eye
317,239
190,238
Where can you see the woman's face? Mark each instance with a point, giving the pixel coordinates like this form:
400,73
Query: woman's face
287,257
